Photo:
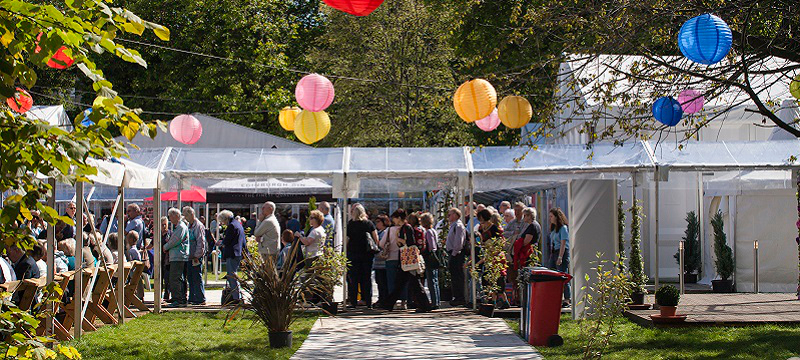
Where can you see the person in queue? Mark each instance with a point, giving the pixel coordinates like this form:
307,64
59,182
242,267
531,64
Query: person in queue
178,248
197,250
360,256
408,279
233,244
431,269
268,232
379,260
454,245
559,247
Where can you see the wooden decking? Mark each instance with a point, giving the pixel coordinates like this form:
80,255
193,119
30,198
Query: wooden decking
730,309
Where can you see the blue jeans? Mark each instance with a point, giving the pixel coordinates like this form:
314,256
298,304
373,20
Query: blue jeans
392,269
564,267
232,266
432,277
197,292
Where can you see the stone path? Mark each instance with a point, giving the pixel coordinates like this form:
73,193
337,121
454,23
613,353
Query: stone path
733,309
404,335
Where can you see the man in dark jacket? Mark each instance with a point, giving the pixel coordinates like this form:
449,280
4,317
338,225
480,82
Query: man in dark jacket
233,243
24,267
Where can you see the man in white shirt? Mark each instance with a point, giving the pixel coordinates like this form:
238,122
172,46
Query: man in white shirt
268,231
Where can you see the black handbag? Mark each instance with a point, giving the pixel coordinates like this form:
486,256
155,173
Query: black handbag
373,247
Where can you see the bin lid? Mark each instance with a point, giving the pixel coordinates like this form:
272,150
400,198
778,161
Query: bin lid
541,274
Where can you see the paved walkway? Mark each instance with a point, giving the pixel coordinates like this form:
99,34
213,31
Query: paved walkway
733,309
404,335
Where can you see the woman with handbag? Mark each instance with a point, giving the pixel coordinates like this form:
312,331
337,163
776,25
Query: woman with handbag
432,258
362,238
411,279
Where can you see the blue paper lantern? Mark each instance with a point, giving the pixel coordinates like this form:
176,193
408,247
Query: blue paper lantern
668,111
86,121
705,39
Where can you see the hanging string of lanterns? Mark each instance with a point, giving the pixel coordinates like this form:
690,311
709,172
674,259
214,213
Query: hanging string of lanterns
355,7
286,117
490,122
310,127
515,112
314,93
668,111
705,39
475,100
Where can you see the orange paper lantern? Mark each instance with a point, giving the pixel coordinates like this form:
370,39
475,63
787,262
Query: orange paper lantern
475,100
286,117
515,112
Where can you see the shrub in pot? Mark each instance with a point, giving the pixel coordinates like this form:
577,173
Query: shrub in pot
493,259
667,298
724,257
691,251
274,296
635,263
329,269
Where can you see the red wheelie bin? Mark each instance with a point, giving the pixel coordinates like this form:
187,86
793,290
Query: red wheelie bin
541,307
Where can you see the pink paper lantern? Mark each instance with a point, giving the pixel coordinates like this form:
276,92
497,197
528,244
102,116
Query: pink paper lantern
490,122
185,129
314,93
691,101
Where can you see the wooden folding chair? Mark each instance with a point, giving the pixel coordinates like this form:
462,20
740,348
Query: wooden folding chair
70,308
28,290
95,308
112,300
59,330
131,288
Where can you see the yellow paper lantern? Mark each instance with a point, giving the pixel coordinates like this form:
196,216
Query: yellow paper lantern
475,100
515,112
286,117
311,127
794,87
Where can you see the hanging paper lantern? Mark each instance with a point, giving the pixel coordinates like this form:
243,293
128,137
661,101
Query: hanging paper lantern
60,55
186,129
490,122
794,87
86,121
691,101
311,127
286,117
705,39
475,100
21,102
355,7
314,92
515,111
668,111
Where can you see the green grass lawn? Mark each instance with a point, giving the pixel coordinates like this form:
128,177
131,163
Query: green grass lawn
636,342
188,336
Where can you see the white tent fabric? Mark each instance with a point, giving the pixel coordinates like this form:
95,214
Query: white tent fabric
730,155
732,183
272,186
53,115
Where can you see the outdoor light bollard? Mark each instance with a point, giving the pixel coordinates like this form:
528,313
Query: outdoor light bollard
680,265
755,266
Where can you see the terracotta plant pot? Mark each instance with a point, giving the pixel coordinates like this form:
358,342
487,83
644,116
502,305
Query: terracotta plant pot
280,339
668,311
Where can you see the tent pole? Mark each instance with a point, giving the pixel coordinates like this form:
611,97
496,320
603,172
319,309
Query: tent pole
121,257
51,248
657,181
205,273
701,220
157,253
344,217
215,260
78,296
472,252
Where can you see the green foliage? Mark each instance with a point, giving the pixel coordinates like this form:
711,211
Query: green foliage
691,241
493,258
635,262
621,232
312,205
605,298
329,271
668,295
723,253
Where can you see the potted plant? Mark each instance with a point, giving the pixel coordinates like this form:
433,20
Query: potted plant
635,262
724,257
274,295
667,298
493,259
691,250
329,269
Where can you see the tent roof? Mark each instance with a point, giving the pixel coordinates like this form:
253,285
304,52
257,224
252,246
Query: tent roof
218,133
53,115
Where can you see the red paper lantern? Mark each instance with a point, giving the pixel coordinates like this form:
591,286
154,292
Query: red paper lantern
21,102
60,55
355,7
185,129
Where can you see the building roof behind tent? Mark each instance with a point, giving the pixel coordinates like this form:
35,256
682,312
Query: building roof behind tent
53,115
218,133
